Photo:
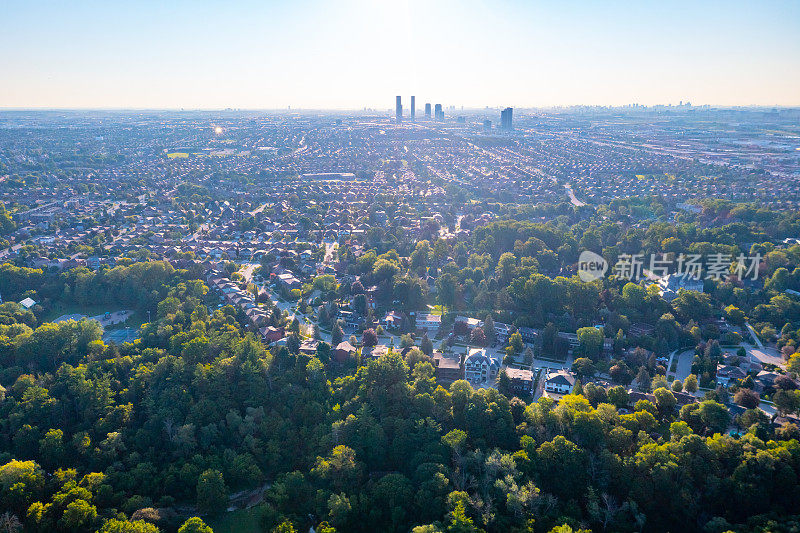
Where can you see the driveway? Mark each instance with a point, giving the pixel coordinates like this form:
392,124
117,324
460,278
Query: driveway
684,367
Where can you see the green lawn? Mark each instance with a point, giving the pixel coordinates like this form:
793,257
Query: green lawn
59,309
240,521
135,319
435,309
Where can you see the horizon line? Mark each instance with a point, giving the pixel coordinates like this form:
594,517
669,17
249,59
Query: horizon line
391,109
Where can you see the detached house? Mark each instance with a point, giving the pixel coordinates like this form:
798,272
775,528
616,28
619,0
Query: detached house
727,375
521,381
559,382
429,322
344,351
480,367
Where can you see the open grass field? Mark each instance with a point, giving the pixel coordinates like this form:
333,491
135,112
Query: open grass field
239,521
134,319
60,309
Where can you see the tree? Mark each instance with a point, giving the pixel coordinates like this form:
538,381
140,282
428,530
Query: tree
20,481
746,398
504,383
9,523
212,493
324,352
515,341
565,528
620,373
455,441
488,330
195,525
786,401
643,379
692,305
677,385
784,382
793,365
735,315
360,303
369,338
634,295
506,266
293,343
590,341
129,526
478,337
583,367
285,527
618,396
340,469
336,335
415,356
528,356
406,341
665,401
714,416
690,383
426,345
460,522
78,515
562,467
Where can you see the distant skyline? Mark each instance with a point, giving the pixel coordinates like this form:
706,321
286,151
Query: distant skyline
351,54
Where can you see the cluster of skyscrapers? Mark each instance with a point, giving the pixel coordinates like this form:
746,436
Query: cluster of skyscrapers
398,108
506,115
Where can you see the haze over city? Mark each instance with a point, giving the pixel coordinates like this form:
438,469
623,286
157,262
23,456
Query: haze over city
350,54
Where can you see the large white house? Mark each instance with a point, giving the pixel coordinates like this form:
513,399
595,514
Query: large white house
670,285
559,382
479,367
429,322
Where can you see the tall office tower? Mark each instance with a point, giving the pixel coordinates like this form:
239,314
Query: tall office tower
438,113
427,110
487,125
398,109
413,110
506,118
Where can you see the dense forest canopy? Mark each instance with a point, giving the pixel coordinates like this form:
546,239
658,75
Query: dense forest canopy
145,435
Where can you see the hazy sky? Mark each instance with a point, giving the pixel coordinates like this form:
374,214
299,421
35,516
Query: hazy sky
361,53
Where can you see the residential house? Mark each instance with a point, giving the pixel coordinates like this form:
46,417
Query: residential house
448,369
393,319
528,334
429,322
521,381
272,334
344,351
728,375
479,367
559,382
374,352
671,284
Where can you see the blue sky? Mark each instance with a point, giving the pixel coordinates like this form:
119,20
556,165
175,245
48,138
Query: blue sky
360,53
